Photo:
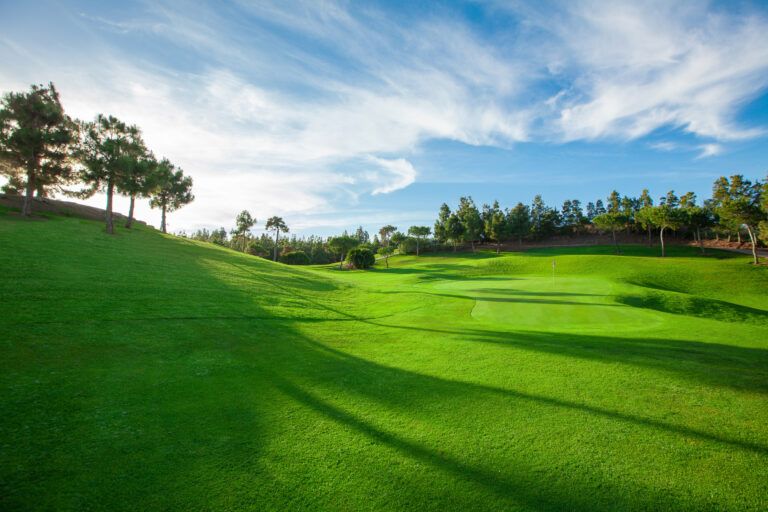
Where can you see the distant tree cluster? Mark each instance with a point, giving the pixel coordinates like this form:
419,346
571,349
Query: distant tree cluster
43,151
737,205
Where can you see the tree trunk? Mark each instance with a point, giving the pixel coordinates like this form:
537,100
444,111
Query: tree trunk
110,192
386,260
162,222
341,262
26,209
650,240
613,231
738,236
472,243
498,247
277,236
730,235
752,238
454,246
417,247
661,236
701,242
130,213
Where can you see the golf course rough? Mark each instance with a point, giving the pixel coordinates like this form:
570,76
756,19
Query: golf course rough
148,372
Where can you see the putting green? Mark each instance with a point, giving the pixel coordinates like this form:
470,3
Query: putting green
570,303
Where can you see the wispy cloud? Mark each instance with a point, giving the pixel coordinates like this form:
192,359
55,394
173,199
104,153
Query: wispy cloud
301,107
709,150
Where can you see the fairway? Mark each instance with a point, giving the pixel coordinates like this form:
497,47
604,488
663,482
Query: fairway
148,372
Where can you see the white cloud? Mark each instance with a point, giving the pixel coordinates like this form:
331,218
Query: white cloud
709,150
398,174
665,146
267,122
638,67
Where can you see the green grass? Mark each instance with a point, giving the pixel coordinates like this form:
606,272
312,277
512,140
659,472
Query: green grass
147,372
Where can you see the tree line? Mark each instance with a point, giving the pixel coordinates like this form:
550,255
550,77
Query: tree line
44,151
737,205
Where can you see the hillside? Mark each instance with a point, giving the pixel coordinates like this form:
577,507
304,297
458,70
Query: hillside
148,372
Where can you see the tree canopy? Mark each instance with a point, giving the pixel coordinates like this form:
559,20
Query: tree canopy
276,224
171,190
36,139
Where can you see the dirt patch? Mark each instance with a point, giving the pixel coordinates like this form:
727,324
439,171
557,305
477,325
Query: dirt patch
63,208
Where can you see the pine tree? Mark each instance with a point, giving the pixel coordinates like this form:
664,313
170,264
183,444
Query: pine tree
170,189
36,138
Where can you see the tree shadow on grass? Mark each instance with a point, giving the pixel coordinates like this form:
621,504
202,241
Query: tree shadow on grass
700,307
510,300
514,486
341,363
710,363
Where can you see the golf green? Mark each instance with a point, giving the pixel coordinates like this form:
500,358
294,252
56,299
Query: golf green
567,303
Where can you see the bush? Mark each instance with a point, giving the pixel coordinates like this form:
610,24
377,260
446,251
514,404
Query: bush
407,245
361,258
254,248
295,258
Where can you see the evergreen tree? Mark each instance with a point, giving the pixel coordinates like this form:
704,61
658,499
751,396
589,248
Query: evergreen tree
385,232
277,224
688,200
362,235
135,178
699,218
741,207
644,201
471,220
419,232
614,202
342,245
243,223
663,217
170,190
519,222
455,230
36,137
599,208
441,225
387,251
544,220
612,222
108,147
591,213
670,200
498,229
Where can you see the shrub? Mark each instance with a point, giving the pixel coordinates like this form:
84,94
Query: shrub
360,258
253,248
295,258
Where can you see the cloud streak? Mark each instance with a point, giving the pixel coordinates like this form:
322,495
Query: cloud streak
303,108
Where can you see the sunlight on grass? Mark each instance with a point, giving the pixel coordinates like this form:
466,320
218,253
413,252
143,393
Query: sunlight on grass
147,371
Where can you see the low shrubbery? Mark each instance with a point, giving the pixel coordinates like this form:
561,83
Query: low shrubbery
360,258
295,258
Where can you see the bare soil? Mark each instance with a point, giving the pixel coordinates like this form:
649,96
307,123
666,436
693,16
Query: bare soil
59,207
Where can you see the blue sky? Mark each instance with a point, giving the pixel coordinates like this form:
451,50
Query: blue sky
335,114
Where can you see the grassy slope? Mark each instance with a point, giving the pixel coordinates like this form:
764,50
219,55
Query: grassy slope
143,371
